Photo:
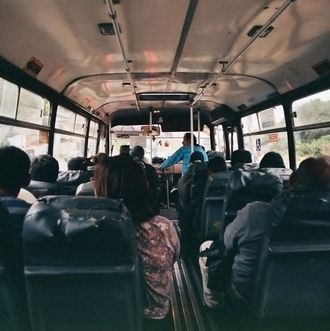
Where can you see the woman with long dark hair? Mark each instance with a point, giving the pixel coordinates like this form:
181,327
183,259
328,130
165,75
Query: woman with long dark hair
157,240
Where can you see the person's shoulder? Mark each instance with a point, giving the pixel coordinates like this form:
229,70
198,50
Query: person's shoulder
257,207
163,223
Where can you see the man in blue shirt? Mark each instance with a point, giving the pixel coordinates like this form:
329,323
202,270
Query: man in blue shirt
183,153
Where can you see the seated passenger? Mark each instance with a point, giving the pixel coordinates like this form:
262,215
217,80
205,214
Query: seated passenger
79,163
216,164
124,150
239,157
244,236
157,241
14,174
137,154
272,160
183,153
87,189
190,191
76,173
44,168
184,183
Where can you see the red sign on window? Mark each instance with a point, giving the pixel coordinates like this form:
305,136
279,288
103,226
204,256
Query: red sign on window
273,138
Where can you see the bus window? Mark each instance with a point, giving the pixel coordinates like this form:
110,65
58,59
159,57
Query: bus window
33,142
92,139
80,124
65,119
69,121
8,98
102,145
259,143
233,140
102,132
312,110
33,108
67,147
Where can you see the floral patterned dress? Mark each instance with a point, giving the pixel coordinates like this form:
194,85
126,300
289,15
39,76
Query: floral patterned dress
158,247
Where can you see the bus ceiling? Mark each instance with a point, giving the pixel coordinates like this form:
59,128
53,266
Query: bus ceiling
121,60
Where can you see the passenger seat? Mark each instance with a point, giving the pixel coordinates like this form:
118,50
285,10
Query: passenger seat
81,265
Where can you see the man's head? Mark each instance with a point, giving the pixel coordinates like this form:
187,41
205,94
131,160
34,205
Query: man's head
137,153
313,174
187,139
14,170
44,168
124,149
272,160
216,164
240,156
77,163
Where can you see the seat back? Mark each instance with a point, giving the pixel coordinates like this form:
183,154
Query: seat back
13,304
190,191
73,177
213,201
81,265
40,189
293,284
248,186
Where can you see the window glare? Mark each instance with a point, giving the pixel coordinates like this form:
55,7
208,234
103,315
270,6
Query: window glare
67,147
272,118
33,142
8,98
91,147
80,124
312,109
64,119
33,108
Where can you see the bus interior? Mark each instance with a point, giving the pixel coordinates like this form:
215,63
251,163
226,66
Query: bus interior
81,77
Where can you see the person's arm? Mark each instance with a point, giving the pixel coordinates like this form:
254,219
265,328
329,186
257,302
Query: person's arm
176,157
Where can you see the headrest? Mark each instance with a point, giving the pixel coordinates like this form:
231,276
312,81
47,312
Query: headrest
256,181
40,189
78,229
73,177
36,184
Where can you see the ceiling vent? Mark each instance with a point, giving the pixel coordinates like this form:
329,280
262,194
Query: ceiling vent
107,29
154,96
257,28
322,68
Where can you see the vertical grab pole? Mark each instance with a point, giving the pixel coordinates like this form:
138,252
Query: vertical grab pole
110,139
191,128
199,127
150,127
